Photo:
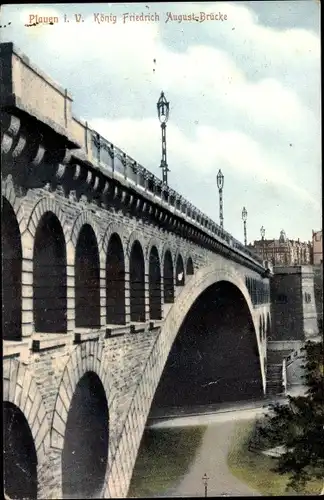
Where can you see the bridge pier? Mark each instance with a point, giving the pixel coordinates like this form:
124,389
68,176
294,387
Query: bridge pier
147,292
103,297
70,291
127,297
49,475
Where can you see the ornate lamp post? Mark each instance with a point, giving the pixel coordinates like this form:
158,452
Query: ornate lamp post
205,479
244,218
163,114
262,231
220,185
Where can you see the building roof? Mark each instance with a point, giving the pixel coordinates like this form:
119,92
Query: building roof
278,243
317,232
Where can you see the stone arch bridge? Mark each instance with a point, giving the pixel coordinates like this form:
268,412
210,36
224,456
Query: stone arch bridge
112,283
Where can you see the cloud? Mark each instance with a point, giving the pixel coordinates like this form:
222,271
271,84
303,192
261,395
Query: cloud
276,46
234,151
208,77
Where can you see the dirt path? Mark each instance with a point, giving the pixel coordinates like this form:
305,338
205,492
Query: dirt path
211,457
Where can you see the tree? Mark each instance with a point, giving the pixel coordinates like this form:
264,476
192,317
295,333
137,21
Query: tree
298,425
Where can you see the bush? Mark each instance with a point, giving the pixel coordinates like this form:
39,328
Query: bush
299,425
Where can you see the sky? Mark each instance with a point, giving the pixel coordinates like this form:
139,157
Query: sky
244,93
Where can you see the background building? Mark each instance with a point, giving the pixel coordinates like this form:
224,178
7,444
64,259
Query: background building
318,275
294,320
317,247
283,251
293,305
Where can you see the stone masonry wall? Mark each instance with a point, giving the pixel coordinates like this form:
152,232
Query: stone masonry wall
42,383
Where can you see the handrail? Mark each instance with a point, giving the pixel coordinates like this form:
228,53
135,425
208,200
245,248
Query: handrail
117,161
284,375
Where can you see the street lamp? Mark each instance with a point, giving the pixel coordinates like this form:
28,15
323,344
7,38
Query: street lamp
163,114
244,218
220,185
262,231
205,479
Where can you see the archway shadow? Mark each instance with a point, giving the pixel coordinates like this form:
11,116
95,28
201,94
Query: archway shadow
20,459
85,452
214,358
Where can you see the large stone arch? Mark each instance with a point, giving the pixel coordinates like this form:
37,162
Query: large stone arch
21,391
86,358
8,191
76,366
204,278
152,371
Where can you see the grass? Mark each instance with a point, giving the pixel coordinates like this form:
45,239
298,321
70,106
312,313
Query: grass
254,469
154,471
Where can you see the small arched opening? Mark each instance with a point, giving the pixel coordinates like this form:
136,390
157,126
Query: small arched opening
155,285
85,451
50,298
115,282
20,459
168,279
180,275
11,273
87,280
137,283
190,267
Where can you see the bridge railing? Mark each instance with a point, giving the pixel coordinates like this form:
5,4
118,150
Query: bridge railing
111,158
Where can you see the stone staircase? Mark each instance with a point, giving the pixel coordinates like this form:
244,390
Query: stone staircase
274,379
277,357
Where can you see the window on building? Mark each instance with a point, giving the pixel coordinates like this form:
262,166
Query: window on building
307,297
282,299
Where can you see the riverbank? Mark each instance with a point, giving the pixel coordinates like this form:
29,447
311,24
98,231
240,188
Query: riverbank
165,414
254,469
164,458
175,455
